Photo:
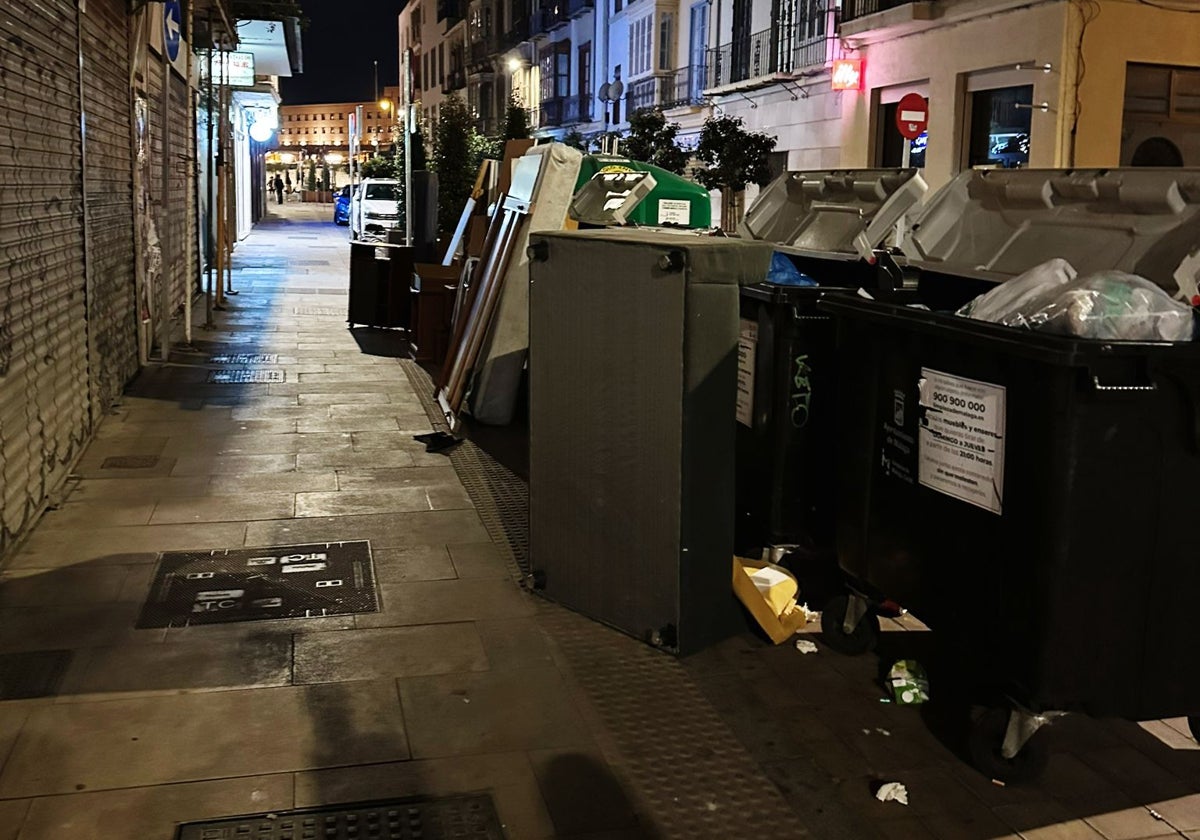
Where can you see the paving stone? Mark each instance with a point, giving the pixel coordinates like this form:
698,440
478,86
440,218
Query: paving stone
234,464
338,397
1046,821
12,817
122,546
349,503
132,489
390,652
256,661
491,711
422,602
512,643
366,479
582,792
384,530
259,444
355,460
231,508
116,510
297,482
409,564
353,423
478,560
191,737
69,586
152,812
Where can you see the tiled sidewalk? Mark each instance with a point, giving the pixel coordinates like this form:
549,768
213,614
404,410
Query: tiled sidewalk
461,682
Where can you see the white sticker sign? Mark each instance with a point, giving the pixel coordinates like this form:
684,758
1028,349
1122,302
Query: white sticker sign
674,211
961,438
747,346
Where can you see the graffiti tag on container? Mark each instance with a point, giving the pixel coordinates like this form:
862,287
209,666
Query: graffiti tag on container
801,392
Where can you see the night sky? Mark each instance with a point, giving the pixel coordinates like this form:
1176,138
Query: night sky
343,39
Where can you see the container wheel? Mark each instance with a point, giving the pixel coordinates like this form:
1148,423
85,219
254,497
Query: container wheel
1194,726
986,740
833,631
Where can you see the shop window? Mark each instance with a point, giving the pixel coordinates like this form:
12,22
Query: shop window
890,143
1000,127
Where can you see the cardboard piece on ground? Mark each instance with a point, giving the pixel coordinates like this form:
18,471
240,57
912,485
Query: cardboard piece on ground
768,591
513,149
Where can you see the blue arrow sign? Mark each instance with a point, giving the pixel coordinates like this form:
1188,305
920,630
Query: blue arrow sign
172,28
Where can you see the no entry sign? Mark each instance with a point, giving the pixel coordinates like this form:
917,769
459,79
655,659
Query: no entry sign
912,115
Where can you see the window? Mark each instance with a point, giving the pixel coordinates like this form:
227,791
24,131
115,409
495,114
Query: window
585,81
617,6
1000,123
441,62
616,106
697,50
641,34
666,41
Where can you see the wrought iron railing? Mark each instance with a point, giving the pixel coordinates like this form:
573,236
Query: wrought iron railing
577,109
550,17
575,8
855,9
552,111
780,49
514,36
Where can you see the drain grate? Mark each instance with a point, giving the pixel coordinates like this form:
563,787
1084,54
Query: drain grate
471,817
252,584
39,673
501,497
239,376
244,359
129,462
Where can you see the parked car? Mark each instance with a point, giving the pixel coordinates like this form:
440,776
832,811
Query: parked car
374,209
341,206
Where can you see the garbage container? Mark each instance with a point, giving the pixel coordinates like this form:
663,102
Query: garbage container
830,225
1044,529
380,279
632,375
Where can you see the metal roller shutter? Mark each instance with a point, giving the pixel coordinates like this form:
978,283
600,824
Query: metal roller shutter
44,414
175,222
109,184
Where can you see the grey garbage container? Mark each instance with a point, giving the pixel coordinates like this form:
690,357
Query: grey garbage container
633,373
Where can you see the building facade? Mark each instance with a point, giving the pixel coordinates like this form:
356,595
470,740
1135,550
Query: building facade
1007,82
321,133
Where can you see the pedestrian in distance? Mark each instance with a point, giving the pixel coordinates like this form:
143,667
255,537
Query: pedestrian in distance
278,186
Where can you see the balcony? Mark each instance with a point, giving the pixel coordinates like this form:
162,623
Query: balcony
480,53
578,8
684,86
516,35
781,49
550,17
578,109
455,80
451,11
552,111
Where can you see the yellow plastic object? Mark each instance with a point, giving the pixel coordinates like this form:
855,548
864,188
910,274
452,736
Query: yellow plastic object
769,593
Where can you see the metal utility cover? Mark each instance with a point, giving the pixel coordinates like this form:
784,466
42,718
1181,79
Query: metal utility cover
252,584
244,359
129,462
240,376
472,817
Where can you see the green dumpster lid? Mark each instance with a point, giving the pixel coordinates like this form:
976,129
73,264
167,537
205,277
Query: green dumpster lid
609,198
843,213
996,224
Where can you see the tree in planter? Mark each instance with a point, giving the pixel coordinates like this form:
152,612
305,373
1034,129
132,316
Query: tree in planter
652,140
452,160
377,167
516,121
575,140
325,183
733,158
310,181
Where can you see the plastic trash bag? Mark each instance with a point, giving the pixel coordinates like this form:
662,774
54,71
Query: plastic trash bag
1111,306
1014,295
783,272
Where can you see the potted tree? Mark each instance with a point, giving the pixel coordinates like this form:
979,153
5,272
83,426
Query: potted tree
652,140
733,158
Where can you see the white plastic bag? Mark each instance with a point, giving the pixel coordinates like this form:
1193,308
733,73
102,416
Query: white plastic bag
1108,305
1015,294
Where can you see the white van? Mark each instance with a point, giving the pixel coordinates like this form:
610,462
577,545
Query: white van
375,208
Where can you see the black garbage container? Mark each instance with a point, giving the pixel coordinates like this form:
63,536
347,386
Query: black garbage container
1030,496
830,226
381,276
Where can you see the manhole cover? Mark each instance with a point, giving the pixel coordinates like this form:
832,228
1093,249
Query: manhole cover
129,462
244,375
251,584
244,359
472,817
34,674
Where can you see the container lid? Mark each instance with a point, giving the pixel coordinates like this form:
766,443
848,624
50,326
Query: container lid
996,224
842,213
609,197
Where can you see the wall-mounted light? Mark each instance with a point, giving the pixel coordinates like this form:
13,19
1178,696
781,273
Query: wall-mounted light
260,131
1044,66
1037,106
514,64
